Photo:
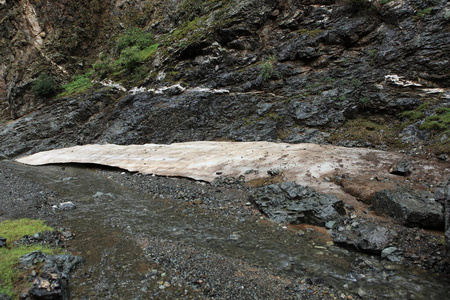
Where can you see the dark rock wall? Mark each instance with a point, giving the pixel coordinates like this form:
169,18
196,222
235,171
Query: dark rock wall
298,71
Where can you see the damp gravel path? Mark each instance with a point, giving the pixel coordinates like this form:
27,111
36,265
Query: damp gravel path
145,237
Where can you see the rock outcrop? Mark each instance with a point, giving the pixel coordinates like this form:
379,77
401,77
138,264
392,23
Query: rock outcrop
411,208
289,66
52,281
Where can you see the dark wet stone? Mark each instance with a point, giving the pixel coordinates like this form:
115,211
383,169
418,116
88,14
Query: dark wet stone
367,237
49,286
2,242
52,283
63,263
402,168
411,208
289,202
54,238
4,297
392,253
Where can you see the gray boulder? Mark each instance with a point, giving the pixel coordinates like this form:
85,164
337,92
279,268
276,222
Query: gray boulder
367,237
289,202
410,208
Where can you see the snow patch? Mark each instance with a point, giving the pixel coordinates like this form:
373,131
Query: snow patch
397,80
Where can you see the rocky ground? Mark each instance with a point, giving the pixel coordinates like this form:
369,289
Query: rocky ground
171,267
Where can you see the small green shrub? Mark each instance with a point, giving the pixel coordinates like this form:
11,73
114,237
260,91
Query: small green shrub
130,58
44,86
134,37
421,13
267,69
103,66
364,101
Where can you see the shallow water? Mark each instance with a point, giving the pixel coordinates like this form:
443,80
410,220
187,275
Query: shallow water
114,224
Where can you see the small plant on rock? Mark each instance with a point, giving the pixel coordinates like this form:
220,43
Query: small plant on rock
268,68
44,86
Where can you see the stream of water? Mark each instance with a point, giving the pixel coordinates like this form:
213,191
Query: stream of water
115,227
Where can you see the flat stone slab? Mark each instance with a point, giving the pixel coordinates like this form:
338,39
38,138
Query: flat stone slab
306,164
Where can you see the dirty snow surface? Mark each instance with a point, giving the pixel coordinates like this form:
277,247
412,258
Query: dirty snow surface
306,164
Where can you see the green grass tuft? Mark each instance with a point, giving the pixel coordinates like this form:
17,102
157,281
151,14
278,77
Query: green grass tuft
10,277
79,84
13,230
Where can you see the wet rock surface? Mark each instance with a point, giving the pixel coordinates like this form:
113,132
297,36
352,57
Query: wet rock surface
291,203
411,208
392,242
365,236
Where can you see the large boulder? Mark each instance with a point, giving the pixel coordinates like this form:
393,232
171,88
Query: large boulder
410,208
289,202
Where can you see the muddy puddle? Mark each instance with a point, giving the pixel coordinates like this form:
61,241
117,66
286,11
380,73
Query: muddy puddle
139,245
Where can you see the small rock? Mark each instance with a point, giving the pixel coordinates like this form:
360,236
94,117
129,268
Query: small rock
392,254
355,224
197,202
330,224
2,242
4,297
362,293
443,157
67,206
234,237
402,168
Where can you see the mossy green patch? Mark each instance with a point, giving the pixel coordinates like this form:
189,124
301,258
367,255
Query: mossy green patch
10,277
378,130
13,230
79,84
421,13
440,121
312,32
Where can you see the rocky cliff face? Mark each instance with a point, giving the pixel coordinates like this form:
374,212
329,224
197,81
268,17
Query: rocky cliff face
347,72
